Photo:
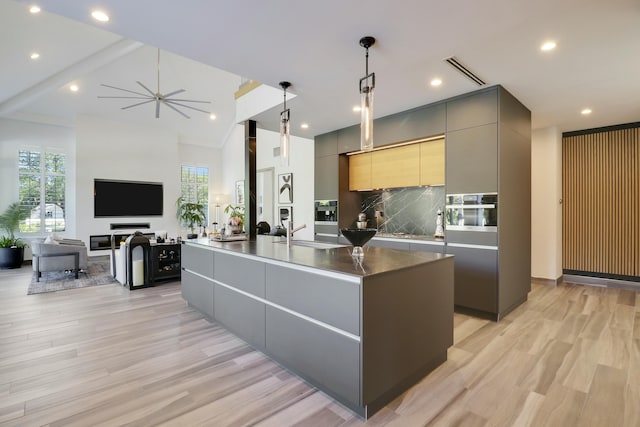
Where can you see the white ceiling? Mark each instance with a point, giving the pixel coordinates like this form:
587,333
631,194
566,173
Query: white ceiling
314,45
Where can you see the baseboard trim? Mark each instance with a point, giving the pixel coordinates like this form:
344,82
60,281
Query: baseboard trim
548,282
601,282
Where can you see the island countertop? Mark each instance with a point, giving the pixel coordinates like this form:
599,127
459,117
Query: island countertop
376,260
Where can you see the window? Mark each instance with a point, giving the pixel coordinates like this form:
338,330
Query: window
195,186
41,187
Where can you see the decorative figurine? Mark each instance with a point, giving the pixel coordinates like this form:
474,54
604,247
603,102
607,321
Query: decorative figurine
439,234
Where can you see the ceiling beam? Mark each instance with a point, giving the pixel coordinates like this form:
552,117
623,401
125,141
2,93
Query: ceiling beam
72,72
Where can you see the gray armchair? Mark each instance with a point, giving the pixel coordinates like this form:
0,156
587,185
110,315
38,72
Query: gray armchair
71,255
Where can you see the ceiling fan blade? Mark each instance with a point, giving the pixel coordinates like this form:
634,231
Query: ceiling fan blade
175,92
157,108
135,105
176,110
189,100
124,90
169,102
146,88
126,97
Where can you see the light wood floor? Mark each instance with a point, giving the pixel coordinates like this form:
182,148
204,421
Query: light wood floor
570,356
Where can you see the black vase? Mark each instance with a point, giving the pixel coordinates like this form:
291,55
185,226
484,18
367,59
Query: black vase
11,258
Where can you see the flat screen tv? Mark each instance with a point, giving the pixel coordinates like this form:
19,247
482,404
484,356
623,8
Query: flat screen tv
112,198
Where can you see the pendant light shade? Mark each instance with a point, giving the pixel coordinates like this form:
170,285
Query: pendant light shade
367,84
285,135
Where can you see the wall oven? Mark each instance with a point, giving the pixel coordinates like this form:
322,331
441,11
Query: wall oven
326,212
475,212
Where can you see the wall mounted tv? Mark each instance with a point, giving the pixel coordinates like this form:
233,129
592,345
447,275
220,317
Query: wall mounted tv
113,198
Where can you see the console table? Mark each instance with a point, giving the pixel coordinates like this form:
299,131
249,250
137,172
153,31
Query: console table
165,263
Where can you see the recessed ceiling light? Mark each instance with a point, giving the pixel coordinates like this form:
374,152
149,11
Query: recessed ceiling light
99,15
436,82
586,111
34,9
546,46
34,55
304,125
212,116
356,109
73,88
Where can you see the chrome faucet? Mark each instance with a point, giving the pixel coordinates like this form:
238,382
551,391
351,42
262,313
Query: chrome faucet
291,230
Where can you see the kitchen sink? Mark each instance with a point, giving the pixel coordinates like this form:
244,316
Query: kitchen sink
313,244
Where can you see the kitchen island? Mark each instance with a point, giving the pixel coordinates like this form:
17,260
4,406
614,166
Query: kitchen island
362,333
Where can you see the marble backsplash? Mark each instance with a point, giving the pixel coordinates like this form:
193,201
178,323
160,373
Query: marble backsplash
411,210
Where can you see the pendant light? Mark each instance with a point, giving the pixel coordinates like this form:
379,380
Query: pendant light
284,128
367,84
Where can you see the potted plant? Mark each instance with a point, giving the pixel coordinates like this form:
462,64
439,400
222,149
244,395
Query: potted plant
236,218
11,248
190,215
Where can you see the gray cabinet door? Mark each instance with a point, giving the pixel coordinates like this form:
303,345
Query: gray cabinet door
197,259
241,314
349,139
472,160
241,273
315,353
326,178
473,110
326,299
419,123
326,144
389,244
475,278
198,292
426,247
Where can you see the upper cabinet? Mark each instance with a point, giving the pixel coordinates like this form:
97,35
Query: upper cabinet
360,172
326,180
410,125
472,160
326,144
349,139
474,110
432,162
396,167
403,166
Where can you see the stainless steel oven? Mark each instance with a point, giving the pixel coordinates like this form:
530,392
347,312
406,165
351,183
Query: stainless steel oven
477,212
326,212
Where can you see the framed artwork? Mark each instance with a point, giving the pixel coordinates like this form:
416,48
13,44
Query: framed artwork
240,193
286,213
285,188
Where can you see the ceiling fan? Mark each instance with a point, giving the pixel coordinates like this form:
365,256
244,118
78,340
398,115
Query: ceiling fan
157,97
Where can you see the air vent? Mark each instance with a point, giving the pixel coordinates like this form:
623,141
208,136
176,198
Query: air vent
453,61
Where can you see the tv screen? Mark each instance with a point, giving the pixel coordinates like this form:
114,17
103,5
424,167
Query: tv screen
126,198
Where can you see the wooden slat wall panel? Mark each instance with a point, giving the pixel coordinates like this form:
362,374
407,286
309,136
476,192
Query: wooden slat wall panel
601,202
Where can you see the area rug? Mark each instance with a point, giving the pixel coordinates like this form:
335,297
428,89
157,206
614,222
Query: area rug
97,273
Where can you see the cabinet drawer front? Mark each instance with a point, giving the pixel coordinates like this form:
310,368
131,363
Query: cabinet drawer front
241,314
197,259
321,356
198,292
328,300
241,273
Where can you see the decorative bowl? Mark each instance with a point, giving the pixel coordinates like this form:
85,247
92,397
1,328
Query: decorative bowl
358,236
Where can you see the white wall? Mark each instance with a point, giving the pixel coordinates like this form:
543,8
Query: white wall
126,151
301,165
546,209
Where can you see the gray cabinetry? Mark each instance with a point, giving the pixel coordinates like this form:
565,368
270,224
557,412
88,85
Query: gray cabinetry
241,273
198,260
473,110
198,291
326,144
327,299
242,315
476,278
389,244
326,178
317,354
472,160
349,139
426,247
413,124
